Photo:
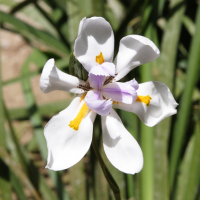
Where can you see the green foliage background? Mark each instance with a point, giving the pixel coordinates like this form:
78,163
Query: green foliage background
171,149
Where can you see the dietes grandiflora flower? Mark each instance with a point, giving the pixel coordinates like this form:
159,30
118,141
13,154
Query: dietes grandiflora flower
69,134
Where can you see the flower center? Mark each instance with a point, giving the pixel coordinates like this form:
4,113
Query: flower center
76,122
99,58
144,99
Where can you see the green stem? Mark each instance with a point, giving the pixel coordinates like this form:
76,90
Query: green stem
112,183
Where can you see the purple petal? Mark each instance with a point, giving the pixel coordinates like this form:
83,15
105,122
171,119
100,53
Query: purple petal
120,92
101,107
96,81
133,83
105,69
109,67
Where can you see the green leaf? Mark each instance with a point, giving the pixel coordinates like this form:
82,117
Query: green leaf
35,118
49,19
161,4
34,34
130,121
98,8
189,176
32,107
18,187
21,5
189,25
147,133
181,123
19,154
60,63
18,173
134,7
5,187
78,181
20,78
45,110
164,72
76,68
15,150
111,181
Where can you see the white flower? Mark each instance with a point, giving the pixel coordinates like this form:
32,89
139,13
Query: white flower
69,134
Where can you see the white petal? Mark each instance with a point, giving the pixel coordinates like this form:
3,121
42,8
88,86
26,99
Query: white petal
161,105
120,147
81,25
54,79
134,50
95,36
65,145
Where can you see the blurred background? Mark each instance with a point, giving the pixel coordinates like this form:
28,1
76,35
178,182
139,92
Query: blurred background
32,31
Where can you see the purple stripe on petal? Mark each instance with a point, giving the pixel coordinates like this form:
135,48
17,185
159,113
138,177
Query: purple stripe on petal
101,107
120,92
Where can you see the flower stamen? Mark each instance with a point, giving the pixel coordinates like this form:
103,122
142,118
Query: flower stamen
84,87
144,99
100,59
108,80
76,122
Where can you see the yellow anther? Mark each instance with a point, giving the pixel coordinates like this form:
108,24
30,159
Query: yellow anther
116,102
99,58
82,97
144,99
76,122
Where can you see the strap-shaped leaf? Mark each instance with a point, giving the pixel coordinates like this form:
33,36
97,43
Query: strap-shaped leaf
76,68
181,123
34,34
188,181
5,186
36,119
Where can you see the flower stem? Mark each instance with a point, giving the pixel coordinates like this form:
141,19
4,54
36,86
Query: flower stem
112,183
